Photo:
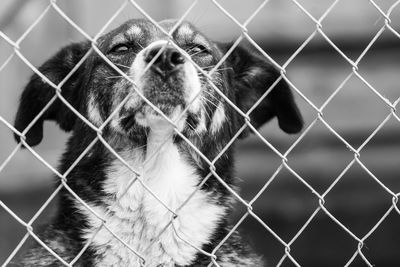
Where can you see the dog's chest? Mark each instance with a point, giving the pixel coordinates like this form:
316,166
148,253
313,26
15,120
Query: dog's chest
141,221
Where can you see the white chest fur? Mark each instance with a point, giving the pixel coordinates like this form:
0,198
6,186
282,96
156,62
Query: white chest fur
138,218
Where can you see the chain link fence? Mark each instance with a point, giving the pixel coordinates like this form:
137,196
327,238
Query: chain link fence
318,110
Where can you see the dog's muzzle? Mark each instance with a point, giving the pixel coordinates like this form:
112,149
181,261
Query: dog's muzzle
163,83
169,60
168,81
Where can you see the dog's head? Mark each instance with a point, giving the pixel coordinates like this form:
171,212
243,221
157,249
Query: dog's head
165,75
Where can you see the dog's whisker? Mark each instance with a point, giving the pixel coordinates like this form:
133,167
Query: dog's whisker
213,96
121,65
210,102
114,77
207,113
119,76
208,67
193,129
201,75
226,68
204,109
217,70
207,92
140,147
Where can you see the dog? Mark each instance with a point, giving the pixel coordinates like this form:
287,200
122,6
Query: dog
137,105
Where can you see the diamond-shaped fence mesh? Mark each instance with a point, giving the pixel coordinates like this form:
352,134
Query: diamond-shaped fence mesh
318,110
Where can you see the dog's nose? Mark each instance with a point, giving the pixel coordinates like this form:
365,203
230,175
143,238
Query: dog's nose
169,59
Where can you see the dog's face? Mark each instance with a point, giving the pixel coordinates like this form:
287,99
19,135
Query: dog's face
160,72
162,77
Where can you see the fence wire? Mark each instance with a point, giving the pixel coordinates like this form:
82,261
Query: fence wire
137,176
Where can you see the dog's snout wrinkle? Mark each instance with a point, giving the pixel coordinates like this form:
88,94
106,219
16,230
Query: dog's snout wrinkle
169,59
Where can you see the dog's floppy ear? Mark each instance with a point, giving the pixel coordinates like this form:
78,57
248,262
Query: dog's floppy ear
253,76
38,93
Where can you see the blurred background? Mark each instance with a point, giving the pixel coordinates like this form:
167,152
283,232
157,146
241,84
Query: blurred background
357,200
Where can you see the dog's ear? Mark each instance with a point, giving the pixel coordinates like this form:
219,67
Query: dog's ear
253,76
38,93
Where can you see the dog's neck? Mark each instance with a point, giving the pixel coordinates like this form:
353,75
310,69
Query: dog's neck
139,217
159,142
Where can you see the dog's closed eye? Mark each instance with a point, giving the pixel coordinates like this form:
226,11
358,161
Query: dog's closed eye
120,48
199,50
